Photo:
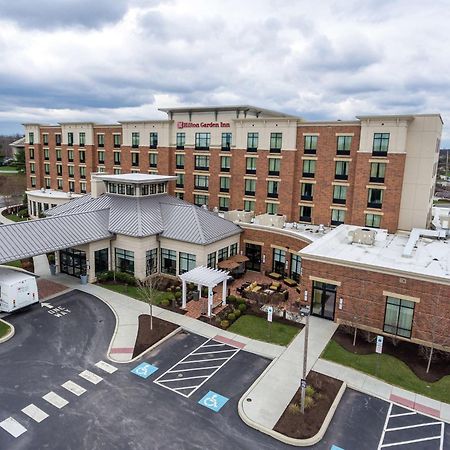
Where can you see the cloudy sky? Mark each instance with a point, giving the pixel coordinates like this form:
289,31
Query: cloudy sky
110,60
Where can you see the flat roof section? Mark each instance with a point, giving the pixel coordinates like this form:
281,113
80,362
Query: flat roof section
431,257
136,178
51,193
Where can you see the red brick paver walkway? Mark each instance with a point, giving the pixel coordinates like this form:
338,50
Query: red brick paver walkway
48,288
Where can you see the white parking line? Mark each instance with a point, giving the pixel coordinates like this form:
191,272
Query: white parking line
35,413
91,377
213,351
200,360
55,400
411,441
195,368
214,345
13,427
106,367
412,426
403,414
74,388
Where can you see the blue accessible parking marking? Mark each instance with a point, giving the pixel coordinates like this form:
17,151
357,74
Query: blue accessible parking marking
335,447
144,370
213,401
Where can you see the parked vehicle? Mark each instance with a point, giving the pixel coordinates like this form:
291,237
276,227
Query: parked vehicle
17,290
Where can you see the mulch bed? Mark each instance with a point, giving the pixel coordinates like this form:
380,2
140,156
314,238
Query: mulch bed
304,426
407,352
147,337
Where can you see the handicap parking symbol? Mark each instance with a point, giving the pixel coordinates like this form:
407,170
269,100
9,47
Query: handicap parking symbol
213,400
144,370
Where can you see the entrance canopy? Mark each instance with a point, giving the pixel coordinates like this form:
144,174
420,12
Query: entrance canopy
204,276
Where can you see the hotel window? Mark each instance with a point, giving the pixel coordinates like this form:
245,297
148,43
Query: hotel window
179,195
59,170
83,187
130,190
153,140
168,261
33,181
71,186
225,163
337,216
250,187
226,141
310,143
100,140
249,205
31,138
179,161
135,159
201,200
31,153
70,139
47,169
224,184
252,142
153,159
47,183
305,213
296,267
272,189
117,158
279,261
70,171
271,208
32,168
58,154
46,154
380,144
125,261
117,140
117,171
373,220
58,139
222,254
375,198
202,162
181,141
233,249
180,180
187,262
341,170
201,182
82,139
101,157
202,141
307,192
339,194
70,155
398,318
211,260
309,168
275,142
83,172
135,140
45,138
82,156
59,183
151,261
224,203
377,172
274,166
343,145
250,165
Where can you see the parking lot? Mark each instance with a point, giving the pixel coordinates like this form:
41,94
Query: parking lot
59,391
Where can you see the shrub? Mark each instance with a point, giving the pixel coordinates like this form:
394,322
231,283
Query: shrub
294,408
242,307
23,212
125,278
310,391
224,323
177,294
231,299
309,402
51,258
105,276
169,289
231,317
237,313
240,301
165,302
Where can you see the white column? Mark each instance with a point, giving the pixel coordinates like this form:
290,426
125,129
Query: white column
210,301
199,291
224,292
183,294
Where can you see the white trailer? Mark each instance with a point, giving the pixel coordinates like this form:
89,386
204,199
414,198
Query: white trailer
17,290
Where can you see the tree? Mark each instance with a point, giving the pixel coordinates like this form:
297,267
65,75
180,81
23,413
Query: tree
148,292
359,311
20,160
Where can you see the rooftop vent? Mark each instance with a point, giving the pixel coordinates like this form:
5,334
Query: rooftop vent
362,236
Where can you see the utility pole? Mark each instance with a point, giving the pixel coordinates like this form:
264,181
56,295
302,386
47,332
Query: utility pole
304,312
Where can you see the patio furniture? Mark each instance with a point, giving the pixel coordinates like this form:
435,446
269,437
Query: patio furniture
275,276
275,286
290,282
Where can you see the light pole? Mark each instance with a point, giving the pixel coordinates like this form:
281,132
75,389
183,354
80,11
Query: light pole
304,312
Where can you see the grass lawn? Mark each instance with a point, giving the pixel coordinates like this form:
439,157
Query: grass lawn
258,328
391,370
14,263
4,329
8,168
15,218
132,291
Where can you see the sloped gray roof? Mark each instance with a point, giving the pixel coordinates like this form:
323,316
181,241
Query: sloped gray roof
82,204
25,239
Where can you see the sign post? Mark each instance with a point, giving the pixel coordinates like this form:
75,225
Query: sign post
269,320
304,312
379,350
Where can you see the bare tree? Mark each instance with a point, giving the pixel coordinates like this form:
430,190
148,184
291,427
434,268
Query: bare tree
434,325
147,290
359,312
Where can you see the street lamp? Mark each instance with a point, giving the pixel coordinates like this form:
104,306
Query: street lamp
304,312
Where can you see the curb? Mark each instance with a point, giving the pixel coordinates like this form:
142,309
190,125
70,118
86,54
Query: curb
281,437
11,333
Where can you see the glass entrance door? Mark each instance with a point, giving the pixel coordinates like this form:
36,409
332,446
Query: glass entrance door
73,262
323,300
253,253
101,261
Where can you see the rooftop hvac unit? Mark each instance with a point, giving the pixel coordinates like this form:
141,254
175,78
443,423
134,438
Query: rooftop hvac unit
362,236
445,222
